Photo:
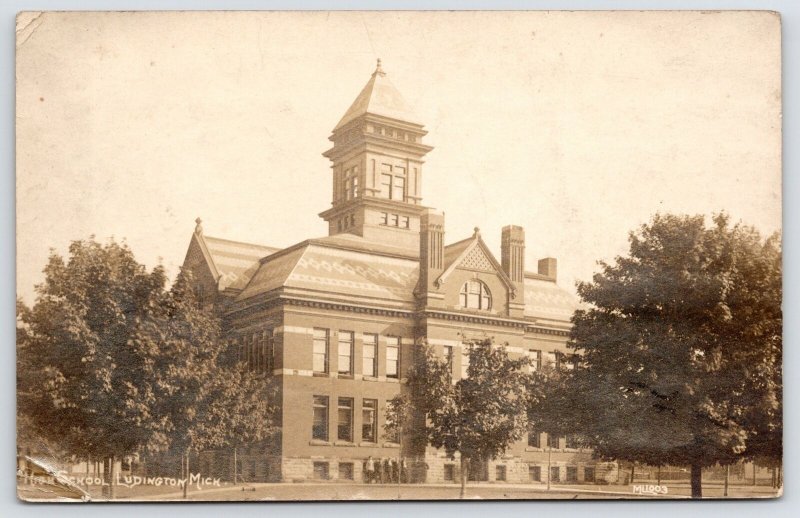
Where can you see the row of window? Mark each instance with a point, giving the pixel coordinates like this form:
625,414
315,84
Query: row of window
534,473
345,408
395,220
344,350
348,221
535,441
557,359
257,351
391,132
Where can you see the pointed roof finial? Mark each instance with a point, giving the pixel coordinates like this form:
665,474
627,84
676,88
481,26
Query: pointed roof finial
477,232
379,68
199,228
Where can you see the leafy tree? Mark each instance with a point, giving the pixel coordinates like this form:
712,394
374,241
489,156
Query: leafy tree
208,398
80,380
680,349
478,417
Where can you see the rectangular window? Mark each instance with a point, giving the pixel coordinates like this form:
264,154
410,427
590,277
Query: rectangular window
384,218
345,415
534,440
399,186
346,470
448,357
369,365
394,221
269,352
555,474
535,357
500,473
392,357
449,472
572,474
571,442
551,359
393,431
319,429
321,470
464,361
588,474
320,350
404,222
345,365
369,420
535,473
552,442
386,185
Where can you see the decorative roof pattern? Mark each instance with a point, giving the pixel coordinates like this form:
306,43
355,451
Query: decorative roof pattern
236,262
338,271
545,299
477,260
379,97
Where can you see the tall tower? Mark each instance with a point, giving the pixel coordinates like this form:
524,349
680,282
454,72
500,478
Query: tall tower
377,167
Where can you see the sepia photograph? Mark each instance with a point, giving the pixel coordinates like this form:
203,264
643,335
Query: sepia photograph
286,256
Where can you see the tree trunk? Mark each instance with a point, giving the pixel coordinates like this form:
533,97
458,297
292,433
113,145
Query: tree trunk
727,476
633,468
234,465
754,473
697,481
464,473
658,482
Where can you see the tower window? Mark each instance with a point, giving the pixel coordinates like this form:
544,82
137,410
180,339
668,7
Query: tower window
393,182
475,295
351,183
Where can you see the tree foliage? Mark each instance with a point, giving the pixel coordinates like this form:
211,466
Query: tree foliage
110,363
680,348
479,416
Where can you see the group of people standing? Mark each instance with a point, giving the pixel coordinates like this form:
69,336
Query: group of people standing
385,471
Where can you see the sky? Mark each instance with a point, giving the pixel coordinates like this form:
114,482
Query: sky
578,126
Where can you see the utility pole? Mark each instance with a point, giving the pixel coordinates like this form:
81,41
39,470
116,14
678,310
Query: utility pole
549,461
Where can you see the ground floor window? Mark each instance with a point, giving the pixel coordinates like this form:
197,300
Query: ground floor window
500,473
572,474
450,472
588,474
321,471
253,469
346,470
535,473
554,474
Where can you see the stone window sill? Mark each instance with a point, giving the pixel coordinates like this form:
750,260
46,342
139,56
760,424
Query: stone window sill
391,445
345,376
319,442
532,448
368,444
344,443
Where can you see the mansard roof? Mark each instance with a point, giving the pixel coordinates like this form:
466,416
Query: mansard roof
379,97
332,269
348,267
544,299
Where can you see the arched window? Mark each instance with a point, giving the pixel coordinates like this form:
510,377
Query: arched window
475,295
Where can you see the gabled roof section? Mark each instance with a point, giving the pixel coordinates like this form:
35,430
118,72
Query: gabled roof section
235,261
472,253
231,263
379,97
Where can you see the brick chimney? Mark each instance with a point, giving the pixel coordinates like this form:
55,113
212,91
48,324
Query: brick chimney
431,255
548,267
512,259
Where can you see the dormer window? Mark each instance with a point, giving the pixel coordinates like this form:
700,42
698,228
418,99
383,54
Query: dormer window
475,295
